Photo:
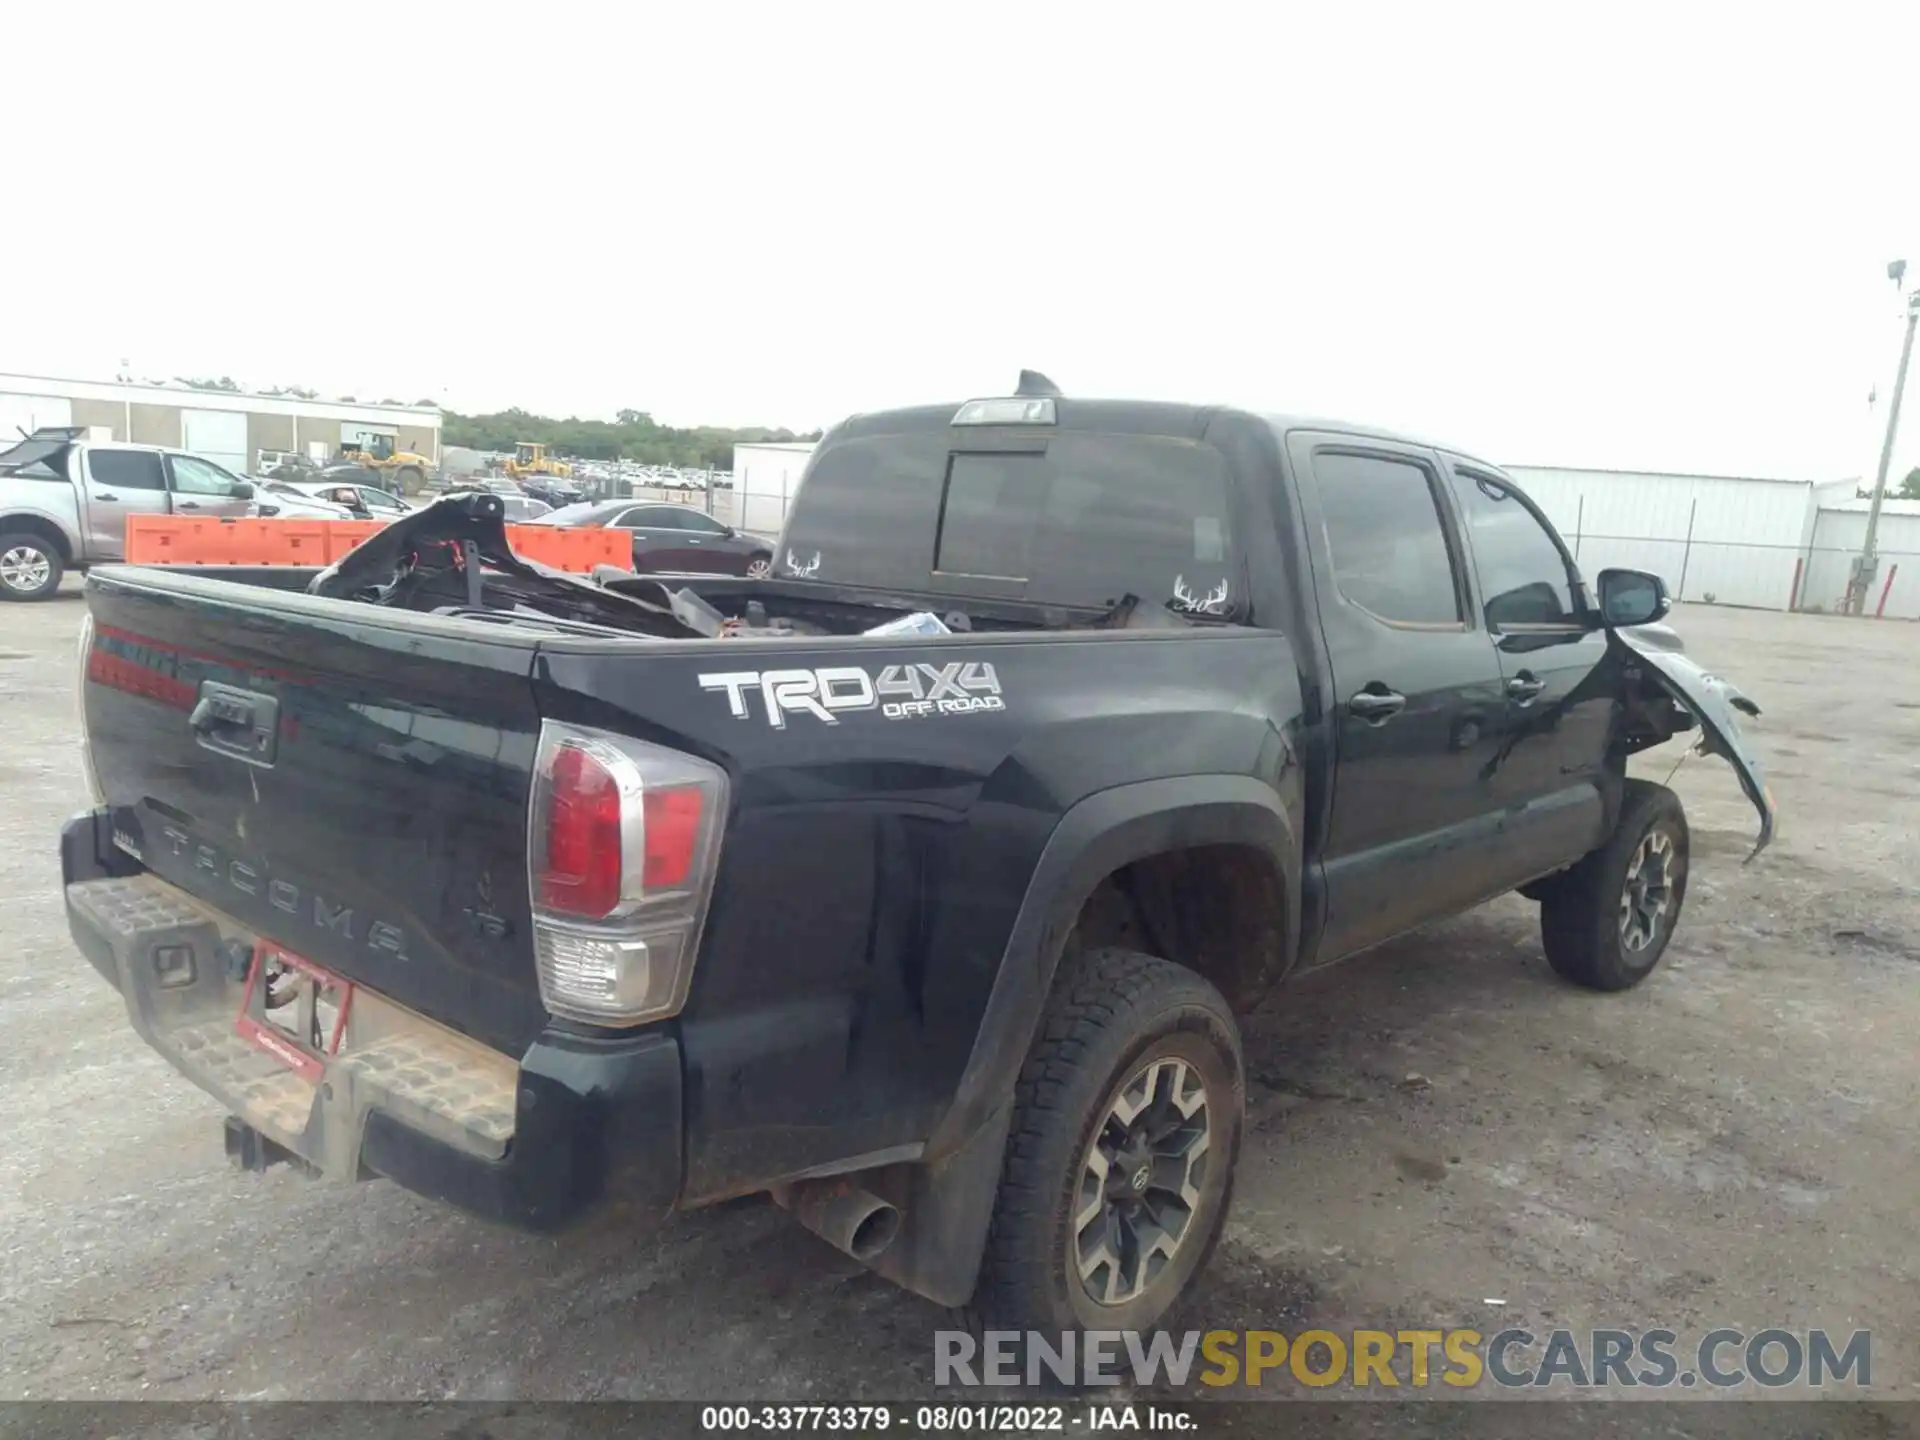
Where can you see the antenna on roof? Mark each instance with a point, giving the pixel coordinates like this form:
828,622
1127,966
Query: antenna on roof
1032,382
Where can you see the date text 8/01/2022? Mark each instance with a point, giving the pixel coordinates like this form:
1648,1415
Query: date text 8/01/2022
942,1419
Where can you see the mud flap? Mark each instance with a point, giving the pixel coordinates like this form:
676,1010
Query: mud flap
1714,702
945,1206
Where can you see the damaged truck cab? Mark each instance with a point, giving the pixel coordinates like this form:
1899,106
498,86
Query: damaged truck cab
917,884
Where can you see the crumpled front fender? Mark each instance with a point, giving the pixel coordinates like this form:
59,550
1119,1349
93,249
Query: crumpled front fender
1714,702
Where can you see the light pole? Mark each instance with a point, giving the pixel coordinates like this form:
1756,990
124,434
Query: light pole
1868,562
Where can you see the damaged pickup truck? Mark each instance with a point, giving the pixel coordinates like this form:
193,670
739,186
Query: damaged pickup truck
533,892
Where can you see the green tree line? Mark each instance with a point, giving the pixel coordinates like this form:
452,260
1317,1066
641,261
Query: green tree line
630,435
1907,489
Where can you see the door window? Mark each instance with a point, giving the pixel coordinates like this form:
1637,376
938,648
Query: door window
126,470
648,517
1524,574
699,524
1390,552
194,476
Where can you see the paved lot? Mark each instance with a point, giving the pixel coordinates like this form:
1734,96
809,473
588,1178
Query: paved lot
1435,1126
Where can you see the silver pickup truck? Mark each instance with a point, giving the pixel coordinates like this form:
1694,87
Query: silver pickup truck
64,502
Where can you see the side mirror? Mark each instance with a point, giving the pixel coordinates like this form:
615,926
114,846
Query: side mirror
242,490
1631,597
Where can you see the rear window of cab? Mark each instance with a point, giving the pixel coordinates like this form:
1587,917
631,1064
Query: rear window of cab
1076,518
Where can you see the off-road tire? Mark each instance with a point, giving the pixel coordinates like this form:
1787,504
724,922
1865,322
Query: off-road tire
15,544
411,479
1113,1013
1580,914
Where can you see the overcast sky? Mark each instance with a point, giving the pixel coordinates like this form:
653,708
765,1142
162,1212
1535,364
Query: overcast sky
1657,238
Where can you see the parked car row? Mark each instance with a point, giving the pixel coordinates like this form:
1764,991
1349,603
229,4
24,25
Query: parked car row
65,501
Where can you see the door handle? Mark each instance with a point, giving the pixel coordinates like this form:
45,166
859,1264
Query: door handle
110,499
241,723
1376,706
189,505
1525,687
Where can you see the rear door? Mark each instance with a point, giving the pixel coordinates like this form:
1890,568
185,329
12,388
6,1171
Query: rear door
1418,709
114,484
1561,694
201,487
657,539
705,544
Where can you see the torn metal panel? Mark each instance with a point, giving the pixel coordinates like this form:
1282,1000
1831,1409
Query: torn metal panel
1714,702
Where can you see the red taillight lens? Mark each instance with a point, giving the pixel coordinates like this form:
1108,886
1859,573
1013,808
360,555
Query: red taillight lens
673,830
623,838
583,863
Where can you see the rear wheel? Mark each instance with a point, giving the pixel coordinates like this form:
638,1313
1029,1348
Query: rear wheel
1606,922
410,479
759,567
30,567
1119,1166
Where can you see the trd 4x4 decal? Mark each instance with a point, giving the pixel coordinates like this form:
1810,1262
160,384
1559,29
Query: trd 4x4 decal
898,692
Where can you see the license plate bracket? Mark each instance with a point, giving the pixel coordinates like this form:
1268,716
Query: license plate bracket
294,1010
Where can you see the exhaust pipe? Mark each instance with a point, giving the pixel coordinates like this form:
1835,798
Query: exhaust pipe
843,1214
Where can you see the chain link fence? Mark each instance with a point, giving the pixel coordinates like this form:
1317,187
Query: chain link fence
711,491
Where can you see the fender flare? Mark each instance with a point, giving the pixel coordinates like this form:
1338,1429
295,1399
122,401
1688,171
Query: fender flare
1095,837
69,540
946,1196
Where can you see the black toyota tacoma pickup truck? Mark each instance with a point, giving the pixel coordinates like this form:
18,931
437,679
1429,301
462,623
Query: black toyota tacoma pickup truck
533,892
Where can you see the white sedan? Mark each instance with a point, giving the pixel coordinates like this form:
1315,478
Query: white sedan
280,500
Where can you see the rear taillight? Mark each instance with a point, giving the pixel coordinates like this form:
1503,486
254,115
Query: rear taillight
581,875
622,842
80,695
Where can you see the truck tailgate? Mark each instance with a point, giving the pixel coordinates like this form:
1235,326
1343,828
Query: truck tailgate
349,783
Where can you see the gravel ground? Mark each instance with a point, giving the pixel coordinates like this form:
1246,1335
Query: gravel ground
1435,1126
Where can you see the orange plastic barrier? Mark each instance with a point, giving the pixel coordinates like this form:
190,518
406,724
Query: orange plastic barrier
169,539
568,548
192,540
281,542
343,535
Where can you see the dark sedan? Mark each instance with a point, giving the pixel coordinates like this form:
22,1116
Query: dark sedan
673,539
552,491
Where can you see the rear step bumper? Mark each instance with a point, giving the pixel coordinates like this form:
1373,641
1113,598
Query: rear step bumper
577,1121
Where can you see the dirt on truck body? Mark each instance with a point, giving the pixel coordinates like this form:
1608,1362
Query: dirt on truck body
532,892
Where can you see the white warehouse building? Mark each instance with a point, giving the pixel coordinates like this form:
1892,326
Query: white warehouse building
232,428
765,477
1715,539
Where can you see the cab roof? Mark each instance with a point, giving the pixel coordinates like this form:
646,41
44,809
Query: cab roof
1145,417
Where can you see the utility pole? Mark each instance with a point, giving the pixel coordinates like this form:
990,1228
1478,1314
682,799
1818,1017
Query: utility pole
1868,562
